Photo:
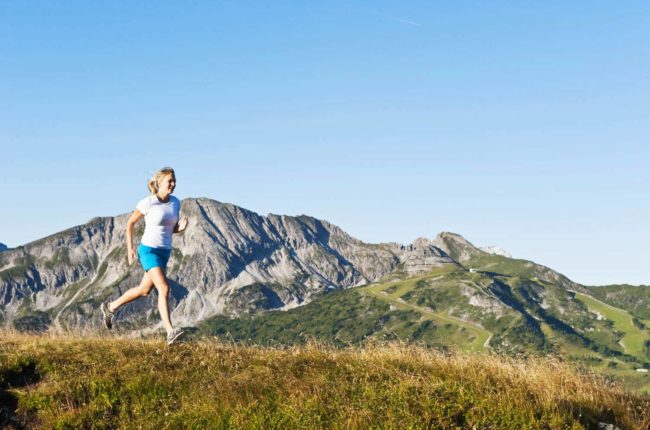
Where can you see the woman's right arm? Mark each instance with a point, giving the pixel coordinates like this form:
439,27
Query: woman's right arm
130,251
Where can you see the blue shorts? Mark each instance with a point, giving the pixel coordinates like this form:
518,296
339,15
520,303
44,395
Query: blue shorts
153,257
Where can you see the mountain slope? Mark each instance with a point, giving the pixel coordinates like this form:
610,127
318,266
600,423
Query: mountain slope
635,334
271,279
457,308
470,256
229,261
470,311
633,298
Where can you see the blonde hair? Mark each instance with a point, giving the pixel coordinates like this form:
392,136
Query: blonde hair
157,177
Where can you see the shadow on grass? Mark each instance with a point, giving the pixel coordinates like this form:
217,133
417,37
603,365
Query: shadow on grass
25,375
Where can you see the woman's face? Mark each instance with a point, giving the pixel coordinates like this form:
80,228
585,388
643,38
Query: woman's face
167,184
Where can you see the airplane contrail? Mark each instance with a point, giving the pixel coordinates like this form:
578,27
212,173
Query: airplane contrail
406,21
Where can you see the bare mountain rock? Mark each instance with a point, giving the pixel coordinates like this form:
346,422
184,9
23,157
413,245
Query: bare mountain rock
495,250
228,261
422,256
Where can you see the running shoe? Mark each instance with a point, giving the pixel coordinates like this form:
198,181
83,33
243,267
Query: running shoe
108,315
175,335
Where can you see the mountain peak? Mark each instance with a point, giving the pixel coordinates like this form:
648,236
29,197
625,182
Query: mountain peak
230,261
456,246
446,235
422,242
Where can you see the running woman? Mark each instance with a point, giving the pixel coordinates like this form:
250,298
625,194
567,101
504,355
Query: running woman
161,212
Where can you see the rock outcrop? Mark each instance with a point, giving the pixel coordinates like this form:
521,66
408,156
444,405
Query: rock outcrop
422,256
229,261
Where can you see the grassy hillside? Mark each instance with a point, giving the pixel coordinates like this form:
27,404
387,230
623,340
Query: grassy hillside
634,299
91,382
634,337
445,307
341,318
451,308
470,337
428,309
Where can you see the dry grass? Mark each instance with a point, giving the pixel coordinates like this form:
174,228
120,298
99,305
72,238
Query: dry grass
72,381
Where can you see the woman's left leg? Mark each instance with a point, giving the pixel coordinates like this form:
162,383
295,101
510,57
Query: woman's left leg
160,281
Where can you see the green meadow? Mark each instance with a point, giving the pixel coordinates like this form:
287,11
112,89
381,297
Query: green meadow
68,382
634,338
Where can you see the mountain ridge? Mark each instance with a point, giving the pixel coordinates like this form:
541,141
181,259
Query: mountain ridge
225,247
229,261
232,264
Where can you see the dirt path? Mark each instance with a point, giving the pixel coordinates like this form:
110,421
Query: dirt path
482,336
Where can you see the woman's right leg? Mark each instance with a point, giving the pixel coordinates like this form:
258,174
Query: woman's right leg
142,290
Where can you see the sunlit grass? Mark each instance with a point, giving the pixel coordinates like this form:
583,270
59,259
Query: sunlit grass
105,382
634,338
391,291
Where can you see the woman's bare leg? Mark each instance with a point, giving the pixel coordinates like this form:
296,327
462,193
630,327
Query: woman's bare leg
160,281
145,287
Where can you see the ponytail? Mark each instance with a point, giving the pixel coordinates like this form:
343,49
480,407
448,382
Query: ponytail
153,185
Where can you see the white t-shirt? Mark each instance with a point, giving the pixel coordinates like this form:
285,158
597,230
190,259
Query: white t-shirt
159,219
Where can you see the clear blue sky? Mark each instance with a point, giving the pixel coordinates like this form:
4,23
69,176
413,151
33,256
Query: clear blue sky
519,124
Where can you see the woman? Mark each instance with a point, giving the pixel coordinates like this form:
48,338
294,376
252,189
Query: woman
161,212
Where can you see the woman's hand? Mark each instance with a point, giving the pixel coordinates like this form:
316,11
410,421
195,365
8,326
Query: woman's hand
182,224
130,255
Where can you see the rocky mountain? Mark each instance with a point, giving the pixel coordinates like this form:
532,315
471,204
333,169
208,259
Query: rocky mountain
232,267
450,307
468,255
466,299
229,261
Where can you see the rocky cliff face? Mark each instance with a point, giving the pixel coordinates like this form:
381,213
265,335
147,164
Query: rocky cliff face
423,255
228,261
